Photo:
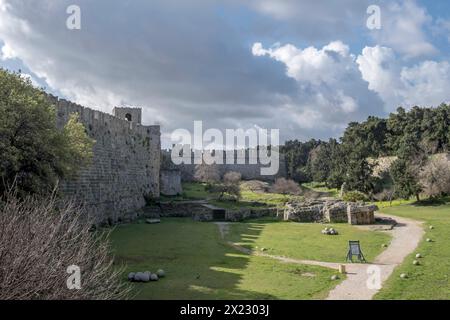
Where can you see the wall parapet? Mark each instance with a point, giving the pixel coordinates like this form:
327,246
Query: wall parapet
125,167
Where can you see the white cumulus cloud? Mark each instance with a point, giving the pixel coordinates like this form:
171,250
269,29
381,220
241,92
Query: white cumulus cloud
331,90
426,83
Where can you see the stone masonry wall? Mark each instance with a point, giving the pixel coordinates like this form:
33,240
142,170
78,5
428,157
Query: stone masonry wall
125,167
247,170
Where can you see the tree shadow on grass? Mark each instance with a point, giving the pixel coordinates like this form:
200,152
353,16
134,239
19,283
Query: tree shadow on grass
199,265
432,202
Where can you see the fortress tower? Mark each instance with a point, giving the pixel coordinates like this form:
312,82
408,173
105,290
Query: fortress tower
129,114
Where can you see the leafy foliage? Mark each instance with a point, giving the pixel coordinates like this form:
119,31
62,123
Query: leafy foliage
410,135
297,154
34,154
354,196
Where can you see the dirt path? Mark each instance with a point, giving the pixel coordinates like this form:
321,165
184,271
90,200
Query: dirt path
405,238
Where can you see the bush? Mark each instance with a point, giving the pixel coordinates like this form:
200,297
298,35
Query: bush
34,154
39,240
256,186
434,177
385,195
286,186
354,196
207,173
232,177
223,189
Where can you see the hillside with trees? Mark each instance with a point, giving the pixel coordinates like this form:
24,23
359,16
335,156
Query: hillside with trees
411,136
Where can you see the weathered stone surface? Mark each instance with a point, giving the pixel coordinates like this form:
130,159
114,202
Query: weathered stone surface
361,214
307,212
125,168
241,164
330,211
245,214
336,212
201,211
171,182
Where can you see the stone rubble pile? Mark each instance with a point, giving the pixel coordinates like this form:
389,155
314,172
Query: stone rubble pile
332,211
330,232
146,276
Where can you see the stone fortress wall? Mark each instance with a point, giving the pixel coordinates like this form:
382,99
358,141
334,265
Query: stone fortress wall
126,163
247,170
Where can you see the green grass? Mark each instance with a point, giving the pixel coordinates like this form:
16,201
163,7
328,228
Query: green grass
200,266
304,240
430,280
393,203
272,199
249,199
193,190
321,188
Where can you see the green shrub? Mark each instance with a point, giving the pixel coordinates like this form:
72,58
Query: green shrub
34,154
355,196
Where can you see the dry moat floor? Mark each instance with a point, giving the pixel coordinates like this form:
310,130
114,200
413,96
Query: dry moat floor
201,265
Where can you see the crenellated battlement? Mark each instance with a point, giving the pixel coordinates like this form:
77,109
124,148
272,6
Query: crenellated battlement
126,164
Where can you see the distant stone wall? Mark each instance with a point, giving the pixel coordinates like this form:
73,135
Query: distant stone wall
247,170
171,182
125,168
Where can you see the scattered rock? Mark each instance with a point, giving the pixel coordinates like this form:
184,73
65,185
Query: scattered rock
334,277
263,249
418,256
153,221
154,277
404,276
416,263
431,227
145,277
384,245
139,276
429,240
330,231
160,273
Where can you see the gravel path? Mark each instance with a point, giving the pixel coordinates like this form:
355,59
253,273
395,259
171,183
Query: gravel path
406,235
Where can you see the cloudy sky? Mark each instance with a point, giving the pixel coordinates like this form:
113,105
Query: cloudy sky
305,67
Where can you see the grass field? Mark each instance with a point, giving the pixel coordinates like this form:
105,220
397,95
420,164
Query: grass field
200,266
321,188
304,240
249,199
431,279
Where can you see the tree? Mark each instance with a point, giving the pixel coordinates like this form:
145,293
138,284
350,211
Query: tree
34,154
367,137
207,173
435,177
405,178
297,155
230,186
327,163
286,186
232,177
